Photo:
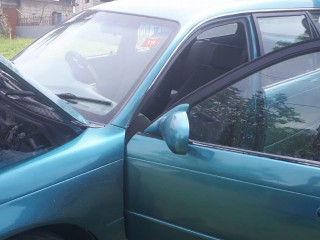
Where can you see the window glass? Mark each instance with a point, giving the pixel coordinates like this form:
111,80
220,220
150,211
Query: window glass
219,31
274,111
207,57
278,32
316,19
97,55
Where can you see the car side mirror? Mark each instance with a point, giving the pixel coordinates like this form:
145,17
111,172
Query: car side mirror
173,127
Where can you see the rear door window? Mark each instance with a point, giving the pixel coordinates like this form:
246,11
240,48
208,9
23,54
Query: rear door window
280,31
316,19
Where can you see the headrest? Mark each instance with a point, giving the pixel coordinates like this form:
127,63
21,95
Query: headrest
228,57
200,53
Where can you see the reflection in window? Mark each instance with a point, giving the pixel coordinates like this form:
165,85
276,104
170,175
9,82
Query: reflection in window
278,32
219,31
316,19
270,112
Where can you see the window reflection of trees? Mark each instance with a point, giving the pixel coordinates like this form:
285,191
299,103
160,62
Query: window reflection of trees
281,43
257,122
302,37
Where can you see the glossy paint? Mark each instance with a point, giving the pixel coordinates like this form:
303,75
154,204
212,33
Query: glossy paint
173,127
218,194
186,12
79,183
167,196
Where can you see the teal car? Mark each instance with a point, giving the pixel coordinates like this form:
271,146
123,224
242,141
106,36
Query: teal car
165,120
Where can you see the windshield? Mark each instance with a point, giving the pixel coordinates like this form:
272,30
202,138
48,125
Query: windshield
97,58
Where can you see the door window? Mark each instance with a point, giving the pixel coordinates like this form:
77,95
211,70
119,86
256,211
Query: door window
219,31
275,111
212,53
280,31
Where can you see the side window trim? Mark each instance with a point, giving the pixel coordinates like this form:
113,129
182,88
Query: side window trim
255,153
277,14
315,29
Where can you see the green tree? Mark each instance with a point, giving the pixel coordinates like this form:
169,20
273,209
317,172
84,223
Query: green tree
5,30
231,119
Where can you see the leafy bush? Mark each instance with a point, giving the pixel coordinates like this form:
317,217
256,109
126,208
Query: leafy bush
5,30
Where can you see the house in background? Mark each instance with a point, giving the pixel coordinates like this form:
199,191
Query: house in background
81,5
32,18
8,9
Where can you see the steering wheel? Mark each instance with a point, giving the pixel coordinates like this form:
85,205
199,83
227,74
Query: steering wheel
81,69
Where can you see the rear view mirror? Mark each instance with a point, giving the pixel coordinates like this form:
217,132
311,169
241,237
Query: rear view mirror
173,127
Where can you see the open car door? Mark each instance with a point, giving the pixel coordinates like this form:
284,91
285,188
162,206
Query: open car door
236,159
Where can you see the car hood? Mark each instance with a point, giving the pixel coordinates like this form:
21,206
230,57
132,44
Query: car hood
70,116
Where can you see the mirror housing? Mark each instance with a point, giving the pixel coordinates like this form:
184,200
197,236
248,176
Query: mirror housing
173,127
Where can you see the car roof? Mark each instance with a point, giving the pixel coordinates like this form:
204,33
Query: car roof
186,11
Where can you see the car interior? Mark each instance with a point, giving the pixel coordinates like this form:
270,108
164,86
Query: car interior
211,54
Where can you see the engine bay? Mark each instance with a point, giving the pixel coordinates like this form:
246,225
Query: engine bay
22,138
17,134
28,126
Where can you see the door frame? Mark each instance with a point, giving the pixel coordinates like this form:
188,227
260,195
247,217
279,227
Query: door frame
242,72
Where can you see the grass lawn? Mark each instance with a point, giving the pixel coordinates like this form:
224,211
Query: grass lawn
10,47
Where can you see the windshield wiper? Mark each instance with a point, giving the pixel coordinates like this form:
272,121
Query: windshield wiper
20,93
70,96
24,98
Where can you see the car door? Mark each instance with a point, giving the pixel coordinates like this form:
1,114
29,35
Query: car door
250,166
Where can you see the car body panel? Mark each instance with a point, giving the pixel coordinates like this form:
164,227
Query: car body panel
92,149
222,192
214,191
74,179
76,201
187,12
88,181
143,227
